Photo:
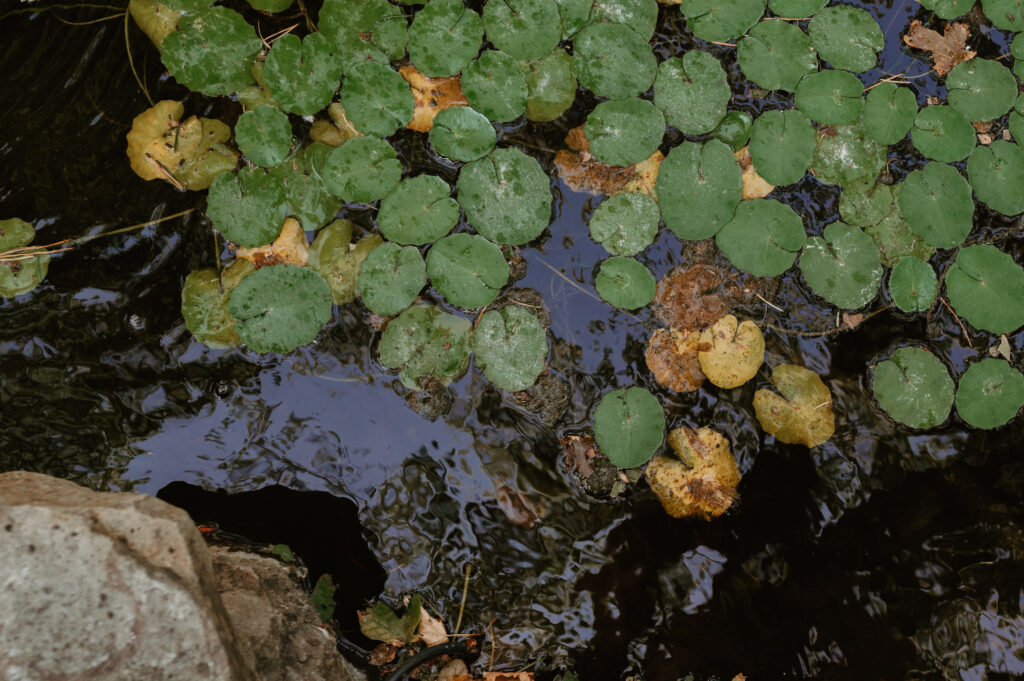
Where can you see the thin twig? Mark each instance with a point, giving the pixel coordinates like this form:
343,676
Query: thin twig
462,605
962,327
490,630
715,42
765,301
91,21
827,332
131,62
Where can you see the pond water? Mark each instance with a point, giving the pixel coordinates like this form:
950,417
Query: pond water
884,553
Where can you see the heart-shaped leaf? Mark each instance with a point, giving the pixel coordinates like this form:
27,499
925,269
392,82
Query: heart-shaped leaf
889,112
444,37
718,21
376,98
391,278
626,223
914,388
624,131
699,187
20,276
420,210
847,37
763,237
362,30
551,86
986,287
264,135
692,92
525,29
997,175
510,346
424,342
625,283
506,196
991,392
248,207
942,133
302,74
462,134
362,169
280,308
495,86
204,304
701,482
913,285
776,55
612,60
782,146
801,412
830,97
211,51
629,426
981,89
843,266
467,269
731,351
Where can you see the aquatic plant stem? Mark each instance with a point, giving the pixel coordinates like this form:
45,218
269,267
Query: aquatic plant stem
462,605
131,62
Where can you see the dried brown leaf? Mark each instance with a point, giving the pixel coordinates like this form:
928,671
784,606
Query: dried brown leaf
432,95
852,320
517,507
583,173
508,676
580,451
948,49
382,654
688,297
754,186
431,629
672,358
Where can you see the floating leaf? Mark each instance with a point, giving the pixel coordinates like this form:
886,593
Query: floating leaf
721,21
382,624
1017,51
264,135
337,260
894,237
692,92
889,112
624,282
865,203
280,308
846,155
672,358
801,412
997,175
362,30
948,49
495,86
936,202
467,269
796,9
991,392
942,134
731,352
754,186
699,188
914,388
574,15
431,96
948,9
506,196
247,208
418,211
204,304
20,276
629,426
624,131
981,89
734,129
776,55
639,15
423,343
846,37
270,5
305,193
843,266
583,173
612,60
256,94
363,169
626,223
335,131
913,285
211,51
986,287
525,29
763,237
551,86
1005,14
782,145
391,278
377,99
702,481
830,97
156,19
462,134
444,37
289,248
699,295
302,74
510,346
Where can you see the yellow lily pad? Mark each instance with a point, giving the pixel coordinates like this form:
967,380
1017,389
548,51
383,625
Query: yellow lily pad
731,352
702,481
802,414
336,131
156,20
289,248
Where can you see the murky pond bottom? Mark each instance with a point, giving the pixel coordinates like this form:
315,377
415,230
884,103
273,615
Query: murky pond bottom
881,554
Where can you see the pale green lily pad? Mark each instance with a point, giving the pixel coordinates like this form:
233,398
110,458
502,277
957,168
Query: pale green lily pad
699,187
445,36
936,201
362,169
782,145
847,37
763,237
377,99
256,94
281,307
248,208
846,155
889,112
212,51
264,135
20,276
204,304
830,97
270,5
364,29
865,203
981,89
719,21
1017,50
1005,14
948,9
510,345
612,60
156,19
333,256
462,134
692,92
495,85
986,287
302,75
843,266
894,237
467,269
305,194
942,134
997,174
734,129
551,86
796,9
913,285
187,5
991,392
420,210
625,283
629,426
626,223
639,15
525,29
506,196
801,412
391,278
776,55
914,388
424,342
624,131
574,15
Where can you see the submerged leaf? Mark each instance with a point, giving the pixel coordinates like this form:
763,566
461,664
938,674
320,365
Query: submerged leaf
731,352
431,96
20,276
846,155
382,624
583,173
629,426
702,481
914,387
280,308
801,412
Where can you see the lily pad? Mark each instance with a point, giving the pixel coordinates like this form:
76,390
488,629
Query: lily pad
362,30
467,269
264,135
156,19
782,146
942,134
445,36
1017,50
426,342
302,75
830,97
981,89
894,237
1005,14
510,345
702,481
692,92
734,129
495,86
936,201
997,175
551,86
280,308
796,9
625,283
336,259
991,392
846,155
626,223
986,287
629,426
889,112
574,14
247,208
914,388
776,55
525,29
843,266
377,99
391,278
462,134
699,187
801,412
420,210
847,37
305,194
624,131
718,21
506,196
913,285
731,351
612,60
948,9
362,169
865,203
763,237
639,15
204,304
212,51
20,276
672,358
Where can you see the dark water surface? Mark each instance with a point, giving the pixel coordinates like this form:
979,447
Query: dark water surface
883,554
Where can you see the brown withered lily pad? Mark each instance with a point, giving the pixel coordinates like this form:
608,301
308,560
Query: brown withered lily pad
432,96
754,186
700,481
583,173
802,413
948,48
672,358
289,248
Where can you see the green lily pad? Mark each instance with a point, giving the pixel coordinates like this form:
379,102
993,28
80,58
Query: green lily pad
212,51
204,304
1017,50
467,269
948,9
625,283
894,237
420,210
624,131
362,169
776,55
612,60
574,15
942,134
997,174
639,15
699,187
734,129
445,36
391,278
846,155
718,21
302,75
264,135
865,203
426,342
692,92
377,99
362,30
763,237
506,196
333,256
843,266
462,134
626,223
270,5
551,86
782,145
991,392
937,203
796,9
830,97
306,196
1005,14
510,345
20,276
280,308
187,5
889,112
981,89
914,388
913,285
847,37
248,208
986,287
801,412
495,86
629,426
525,29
